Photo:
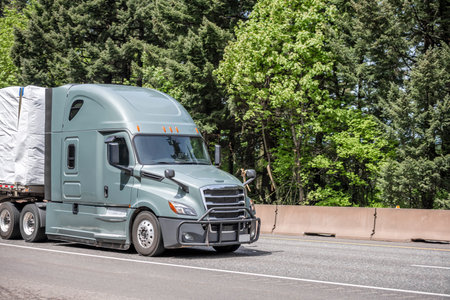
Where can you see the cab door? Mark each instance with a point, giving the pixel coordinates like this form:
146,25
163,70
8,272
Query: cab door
117,181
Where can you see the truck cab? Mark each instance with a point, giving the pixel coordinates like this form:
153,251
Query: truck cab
127,165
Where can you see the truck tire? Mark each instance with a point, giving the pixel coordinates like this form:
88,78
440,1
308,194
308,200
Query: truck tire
146,235
9,221
226,249
30,224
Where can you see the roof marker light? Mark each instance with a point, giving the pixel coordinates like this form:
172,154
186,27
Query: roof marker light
171,129
196,129
164,128
138,129
176,128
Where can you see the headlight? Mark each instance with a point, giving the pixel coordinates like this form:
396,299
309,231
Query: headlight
181,209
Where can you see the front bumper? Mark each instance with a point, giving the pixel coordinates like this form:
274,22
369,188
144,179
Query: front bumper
207,231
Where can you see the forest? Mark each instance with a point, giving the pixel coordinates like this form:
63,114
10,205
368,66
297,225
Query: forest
333,103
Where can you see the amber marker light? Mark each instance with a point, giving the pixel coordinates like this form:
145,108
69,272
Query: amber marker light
164,128
138,128
196,129
170,128
181,209
176,128
173,208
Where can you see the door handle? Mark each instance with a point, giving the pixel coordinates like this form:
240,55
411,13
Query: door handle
105,191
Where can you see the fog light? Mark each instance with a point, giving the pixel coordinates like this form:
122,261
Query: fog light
252,232
188,237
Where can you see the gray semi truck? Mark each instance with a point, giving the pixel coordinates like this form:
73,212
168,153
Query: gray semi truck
126,166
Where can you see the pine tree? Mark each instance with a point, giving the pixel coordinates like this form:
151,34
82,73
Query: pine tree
84,41
420,176
192,36
385,52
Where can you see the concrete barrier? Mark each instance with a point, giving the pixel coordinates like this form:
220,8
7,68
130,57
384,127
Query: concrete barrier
345,222
387,224
412,224
267,215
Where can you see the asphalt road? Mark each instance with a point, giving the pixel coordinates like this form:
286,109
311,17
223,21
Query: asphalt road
275,267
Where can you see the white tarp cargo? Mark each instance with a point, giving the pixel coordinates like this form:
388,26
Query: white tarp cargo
22,135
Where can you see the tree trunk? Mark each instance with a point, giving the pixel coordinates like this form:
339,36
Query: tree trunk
297,149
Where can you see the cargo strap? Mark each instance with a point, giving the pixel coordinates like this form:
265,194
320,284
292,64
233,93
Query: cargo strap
20,104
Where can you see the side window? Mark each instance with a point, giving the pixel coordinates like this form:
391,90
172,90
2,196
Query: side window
76,105
71,156
124,157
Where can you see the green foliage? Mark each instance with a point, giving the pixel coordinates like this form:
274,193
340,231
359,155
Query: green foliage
321,150
420,116
159,81
192,36
329,197
10,18
387,54
84,41
332,102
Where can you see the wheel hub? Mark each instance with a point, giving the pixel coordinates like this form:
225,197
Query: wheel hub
145,234
5,220
28,223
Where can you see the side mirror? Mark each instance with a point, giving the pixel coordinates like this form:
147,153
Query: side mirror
113,154
251,175
169,173
217,156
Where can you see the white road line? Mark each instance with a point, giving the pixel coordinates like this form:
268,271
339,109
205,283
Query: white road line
431,267
229,271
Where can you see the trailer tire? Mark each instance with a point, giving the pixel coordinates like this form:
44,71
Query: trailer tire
226,249
30,224
146,234
9,221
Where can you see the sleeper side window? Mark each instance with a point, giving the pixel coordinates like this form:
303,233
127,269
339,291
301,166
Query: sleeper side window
71,156
76,106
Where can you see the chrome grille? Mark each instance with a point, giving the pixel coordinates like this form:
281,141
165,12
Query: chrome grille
224,196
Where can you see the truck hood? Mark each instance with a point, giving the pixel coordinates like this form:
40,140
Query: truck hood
195,175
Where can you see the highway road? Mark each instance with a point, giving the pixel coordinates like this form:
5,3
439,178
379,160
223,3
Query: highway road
275,267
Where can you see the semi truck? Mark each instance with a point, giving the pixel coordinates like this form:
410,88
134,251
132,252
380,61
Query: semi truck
121,166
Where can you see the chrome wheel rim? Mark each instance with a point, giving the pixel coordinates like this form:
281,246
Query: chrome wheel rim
145,234
28,223
5,220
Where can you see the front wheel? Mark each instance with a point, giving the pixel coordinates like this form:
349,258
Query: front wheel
146,235
9,221
226,249
30,224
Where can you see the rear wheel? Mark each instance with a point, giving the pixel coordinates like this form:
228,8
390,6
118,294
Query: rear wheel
146,234
226,249
30,224
9,221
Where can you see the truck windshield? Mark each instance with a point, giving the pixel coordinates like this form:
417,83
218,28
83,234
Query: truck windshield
169,149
